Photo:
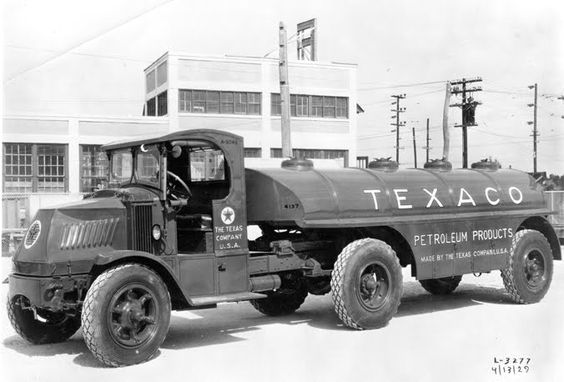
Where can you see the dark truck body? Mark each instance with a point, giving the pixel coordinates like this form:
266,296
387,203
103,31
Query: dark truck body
443,223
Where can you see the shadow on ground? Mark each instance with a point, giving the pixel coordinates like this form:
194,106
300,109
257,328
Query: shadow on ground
74,346
220,326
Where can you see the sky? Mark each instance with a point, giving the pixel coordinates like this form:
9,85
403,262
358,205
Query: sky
87,57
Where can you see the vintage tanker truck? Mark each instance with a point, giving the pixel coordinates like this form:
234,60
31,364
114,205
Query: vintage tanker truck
170,233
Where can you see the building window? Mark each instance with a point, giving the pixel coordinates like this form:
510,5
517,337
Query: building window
253,152
227,106
240,103
253,103
152,107
275,104
150,81
223,102
156,77
162,74
51,168
302,106
342,107
184,100
314,154
212,102
198,101
93,168
17,167
328,107
312,106
317,106
35,168
162,103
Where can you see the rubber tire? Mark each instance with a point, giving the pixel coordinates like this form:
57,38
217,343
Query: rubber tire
283,301
442,286
353,259
95,310
38,332
513,276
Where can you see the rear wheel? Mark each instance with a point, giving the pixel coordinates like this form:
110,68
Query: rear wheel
529,273
366,284
43,328
285,300
445,285
126,315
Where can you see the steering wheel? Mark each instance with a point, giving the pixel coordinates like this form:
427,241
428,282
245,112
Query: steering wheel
177,192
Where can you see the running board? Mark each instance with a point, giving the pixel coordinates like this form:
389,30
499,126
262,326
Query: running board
231,297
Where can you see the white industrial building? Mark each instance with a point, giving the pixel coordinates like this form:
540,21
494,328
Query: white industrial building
48,159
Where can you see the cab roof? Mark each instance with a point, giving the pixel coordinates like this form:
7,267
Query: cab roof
193,134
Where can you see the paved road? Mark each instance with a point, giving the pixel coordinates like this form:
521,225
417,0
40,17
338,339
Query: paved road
451,338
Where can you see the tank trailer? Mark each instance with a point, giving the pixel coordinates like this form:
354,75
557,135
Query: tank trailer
170,233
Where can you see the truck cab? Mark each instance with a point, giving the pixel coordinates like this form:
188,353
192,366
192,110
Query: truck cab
189,206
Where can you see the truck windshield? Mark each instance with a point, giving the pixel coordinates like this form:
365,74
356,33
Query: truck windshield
147,169
121,166
146,166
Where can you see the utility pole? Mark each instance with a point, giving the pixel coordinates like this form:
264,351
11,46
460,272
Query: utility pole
427,147
284,94
534,123
414,147
468,107
398,123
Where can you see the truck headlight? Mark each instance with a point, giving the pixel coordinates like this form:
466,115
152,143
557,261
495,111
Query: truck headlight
32,234
157,233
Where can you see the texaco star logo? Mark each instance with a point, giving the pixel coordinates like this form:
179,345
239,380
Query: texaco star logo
227,215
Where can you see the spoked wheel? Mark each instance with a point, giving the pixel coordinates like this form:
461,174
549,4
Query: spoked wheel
131,318
366,284
44,327
529,273
126,314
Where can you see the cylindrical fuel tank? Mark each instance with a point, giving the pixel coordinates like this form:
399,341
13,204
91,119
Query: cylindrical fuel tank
365,197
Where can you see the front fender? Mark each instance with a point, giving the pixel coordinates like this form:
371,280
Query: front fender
164,267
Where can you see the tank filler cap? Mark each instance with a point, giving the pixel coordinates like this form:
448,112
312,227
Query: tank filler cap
386,164
438,164
297,164
487,164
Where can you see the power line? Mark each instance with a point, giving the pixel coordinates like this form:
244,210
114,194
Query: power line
96,55
85,41
402,85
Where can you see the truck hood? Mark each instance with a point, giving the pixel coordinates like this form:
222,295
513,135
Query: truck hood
67,238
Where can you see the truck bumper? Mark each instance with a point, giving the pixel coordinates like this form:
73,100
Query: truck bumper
52,293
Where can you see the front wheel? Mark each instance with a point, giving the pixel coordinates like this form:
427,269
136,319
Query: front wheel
44,327
126,315
367,284
529,273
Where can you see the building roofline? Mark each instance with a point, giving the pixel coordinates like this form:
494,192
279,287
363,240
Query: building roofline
90,118
241,58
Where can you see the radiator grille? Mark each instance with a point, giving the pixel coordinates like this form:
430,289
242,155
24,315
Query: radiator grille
88,234
141,219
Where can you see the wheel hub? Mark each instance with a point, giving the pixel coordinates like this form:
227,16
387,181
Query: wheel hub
374,287
132,318
534,269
